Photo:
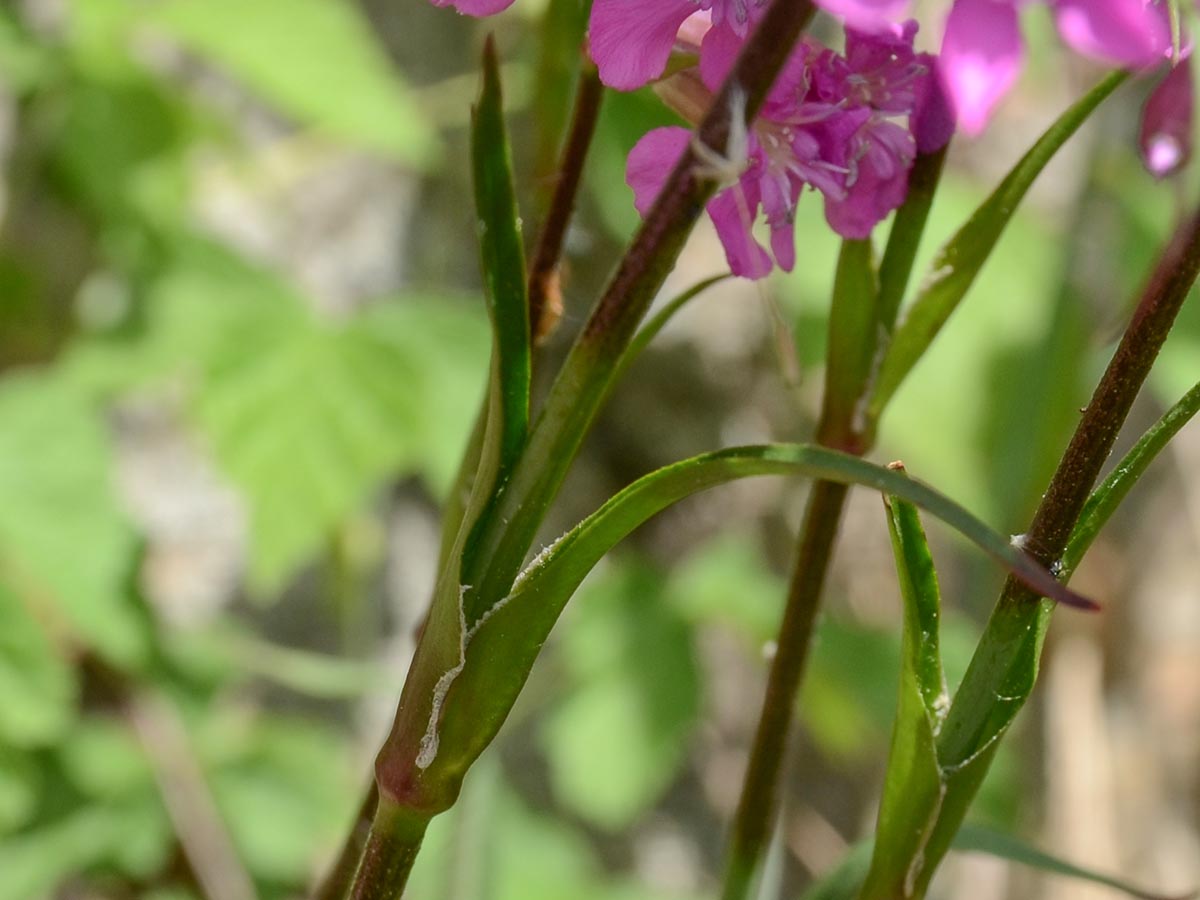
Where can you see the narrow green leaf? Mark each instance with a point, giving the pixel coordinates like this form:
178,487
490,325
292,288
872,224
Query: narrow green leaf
503,258
853,338
499,657
1011,649
844,881
912,791
978,839
1108,496
960,261
502,255
904,240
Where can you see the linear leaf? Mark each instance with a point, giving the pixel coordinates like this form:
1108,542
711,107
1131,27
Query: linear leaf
912,791
499,656
960,261
853,338
503,257
843,882
905,237
978,839
1108,496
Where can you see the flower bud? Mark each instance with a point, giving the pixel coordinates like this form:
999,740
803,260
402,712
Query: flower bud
1166,136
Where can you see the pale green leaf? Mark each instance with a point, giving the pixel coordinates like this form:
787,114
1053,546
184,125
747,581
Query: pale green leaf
65,548
616,740
37,686
315,59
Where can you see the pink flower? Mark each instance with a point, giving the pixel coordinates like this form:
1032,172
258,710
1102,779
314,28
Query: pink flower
836,124
1166,134
476,7
631,40
867,15
982,50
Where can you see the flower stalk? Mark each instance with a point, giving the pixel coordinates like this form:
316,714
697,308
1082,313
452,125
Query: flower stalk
1018,622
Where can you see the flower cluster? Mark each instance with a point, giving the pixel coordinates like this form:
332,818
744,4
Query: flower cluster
982,52
842,124
849,124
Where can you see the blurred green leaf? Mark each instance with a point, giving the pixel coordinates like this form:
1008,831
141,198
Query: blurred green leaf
20,784
34,862
316,60
102,758
37,686
133,836
616,740
65,547
848,699
120,150
624,119
284,788
305,415
978,839
727,582
23,62
960,261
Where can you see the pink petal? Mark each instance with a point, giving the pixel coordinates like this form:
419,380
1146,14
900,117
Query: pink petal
1131,33
867,15
981,58
631,40
651,161
932,116
732,212
476,7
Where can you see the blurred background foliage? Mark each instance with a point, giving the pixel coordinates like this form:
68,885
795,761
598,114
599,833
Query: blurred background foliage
241,344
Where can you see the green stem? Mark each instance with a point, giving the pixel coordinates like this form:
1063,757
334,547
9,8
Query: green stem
1019,619
337,882
861,309
758,803
587,374
389,853
499,549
